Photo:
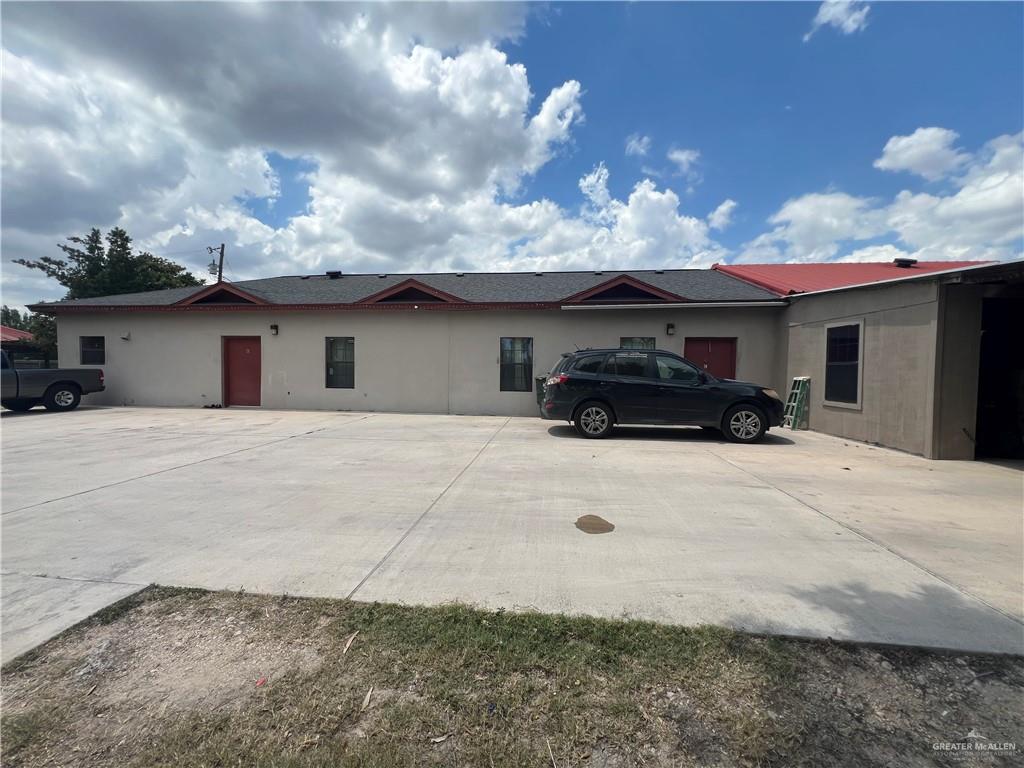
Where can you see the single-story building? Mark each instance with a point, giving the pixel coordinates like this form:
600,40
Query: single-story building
897,353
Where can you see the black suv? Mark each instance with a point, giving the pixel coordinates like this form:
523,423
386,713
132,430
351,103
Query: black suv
596,388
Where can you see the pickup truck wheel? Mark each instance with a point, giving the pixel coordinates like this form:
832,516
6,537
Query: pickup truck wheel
18,406
62,397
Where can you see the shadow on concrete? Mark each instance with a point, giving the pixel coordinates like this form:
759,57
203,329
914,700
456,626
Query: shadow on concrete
931,617
668,433
1017,464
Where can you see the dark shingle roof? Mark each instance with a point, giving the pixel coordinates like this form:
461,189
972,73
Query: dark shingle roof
476,287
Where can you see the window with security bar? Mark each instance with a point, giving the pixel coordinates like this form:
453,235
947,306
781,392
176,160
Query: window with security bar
516,363
842,364
341,362
636,342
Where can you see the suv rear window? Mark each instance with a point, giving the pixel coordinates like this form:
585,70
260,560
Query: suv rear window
589,364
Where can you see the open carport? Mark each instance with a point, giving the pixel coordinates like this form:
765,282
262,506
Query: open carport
804,534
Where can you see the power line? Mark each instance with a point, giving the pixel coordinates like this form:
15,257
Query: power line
220,264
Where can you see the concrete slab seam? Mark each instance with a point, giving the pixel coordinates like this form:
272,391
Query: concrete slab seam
423,514
80,579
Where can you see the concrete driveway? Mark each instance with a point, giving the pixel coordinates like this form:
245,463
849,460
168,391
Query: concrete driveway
804,534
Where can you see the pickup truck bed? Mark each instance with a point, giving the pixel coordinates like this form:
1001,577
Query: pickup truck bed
59,389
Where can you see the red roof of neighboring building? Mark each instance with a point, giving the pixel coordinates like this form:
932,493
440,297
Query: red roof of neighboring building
13,334
787,279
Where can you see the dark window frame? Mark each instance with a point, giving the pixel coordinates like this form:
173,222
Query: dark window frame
509,379
600,358
684,363
648,374
839,362
652,339
97,355
348,382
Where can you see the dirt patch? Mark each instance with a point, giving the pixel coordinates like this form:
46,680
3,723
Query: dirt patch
202,679
594,524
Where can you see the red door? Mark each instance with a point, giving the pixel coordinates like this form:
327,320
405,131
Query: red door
716,355
241,370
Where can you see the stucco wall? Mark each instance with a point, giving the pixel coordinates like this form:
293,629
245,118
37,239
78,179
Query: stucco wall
424,362
899,362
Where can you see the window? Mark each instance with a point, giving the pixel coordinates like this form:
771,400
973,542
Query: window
842,364
516,362
92,350
672,369
636,342
341,362
627,364
591,364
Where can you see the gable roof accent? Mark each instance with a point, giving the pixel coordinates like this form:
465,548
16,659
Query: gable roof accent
611,291
411,291
790,279
221,293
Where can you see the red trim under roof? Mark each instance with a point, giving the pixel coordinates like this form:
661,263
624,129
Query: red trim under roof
789,279
243,296
614,282
406,285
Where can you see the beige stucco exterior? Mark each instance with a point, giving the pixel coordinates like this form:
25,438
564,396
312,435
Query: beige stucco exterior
406,361
920,360
920,345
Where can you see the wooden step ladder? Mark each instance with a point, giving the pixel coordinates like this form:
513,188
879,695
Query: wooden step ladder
795,414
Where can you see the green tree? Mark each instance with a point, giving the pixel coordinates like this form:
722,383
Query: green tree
42,328
91,268
12,318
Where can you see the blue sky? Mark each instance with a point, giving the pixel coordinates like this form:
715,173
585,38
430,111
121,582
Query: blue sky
493,136
719,77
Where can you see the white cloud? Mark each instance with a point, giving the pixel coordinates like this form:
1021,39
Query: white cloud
812,227
886,252
721,217
638,145
928,152
848,16
685,160
982,219
422,136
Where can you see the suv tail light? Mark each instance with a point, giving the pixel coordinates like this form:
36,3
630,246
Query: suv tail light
560,378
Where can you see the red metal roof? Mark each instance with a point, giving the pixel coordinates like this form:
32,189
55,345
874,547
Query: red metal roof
787,279
13,334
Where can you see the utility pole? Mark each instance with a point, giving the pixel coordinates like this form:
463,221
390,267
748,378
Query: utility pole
220,263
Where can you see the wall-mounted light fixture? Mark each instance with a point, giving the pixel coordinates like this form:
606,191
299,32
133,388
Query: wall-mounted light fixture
273,329
670,329
126,336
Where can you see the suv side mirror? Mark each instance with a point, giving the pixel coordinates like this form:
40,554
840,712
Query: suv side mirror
702,378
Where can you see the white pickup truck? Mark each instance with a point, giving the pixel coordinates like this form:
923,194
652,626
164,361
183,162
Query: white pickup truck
58,389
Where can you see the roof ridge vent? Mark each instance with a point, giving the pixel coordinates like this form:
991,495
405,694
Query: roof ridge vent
381,275
460,274
333,274
904,262
598,272
539,274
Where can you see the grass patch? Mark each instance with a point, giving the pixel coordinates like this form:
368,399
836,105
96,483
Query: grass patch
188,678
